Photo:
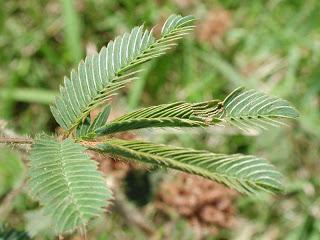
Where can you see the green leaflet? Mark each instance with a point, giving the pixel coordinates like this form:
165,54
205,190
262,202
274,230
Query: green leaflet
66,182
247,174
102,74
179,114
87,129
251,110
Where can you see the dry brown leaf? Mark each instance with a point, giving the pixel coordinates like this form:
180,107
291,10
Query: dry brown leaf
206,204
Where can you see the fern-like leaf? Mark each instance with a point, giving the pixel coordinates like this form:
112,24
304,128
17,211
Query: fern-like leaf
251,110
67,183
102,74
179,114
247,174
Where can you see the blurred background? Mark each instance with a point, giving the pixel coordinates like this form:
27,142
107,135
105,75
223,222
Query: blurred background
270,45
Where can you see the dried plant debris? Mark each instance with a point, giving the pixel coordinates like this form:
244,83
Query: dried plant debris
207,205
185,3
214,26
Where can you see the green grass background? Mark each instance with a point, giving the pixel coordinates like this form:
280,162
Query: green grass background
270,45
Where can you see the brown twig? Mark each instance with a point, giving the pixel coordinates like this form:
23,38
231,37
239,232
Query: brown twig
7,203
9,137
131,213
16,140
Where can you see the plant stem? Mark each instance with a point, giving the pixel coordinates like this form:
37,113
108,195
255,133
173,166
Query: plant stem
16,140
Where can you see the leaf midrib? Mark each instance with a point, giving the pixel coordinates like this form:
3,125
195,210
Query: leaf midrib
66,178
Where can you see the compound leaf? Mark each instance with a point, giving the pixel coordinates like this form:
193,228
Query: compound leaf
98,77
179,114
247,174
67,183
